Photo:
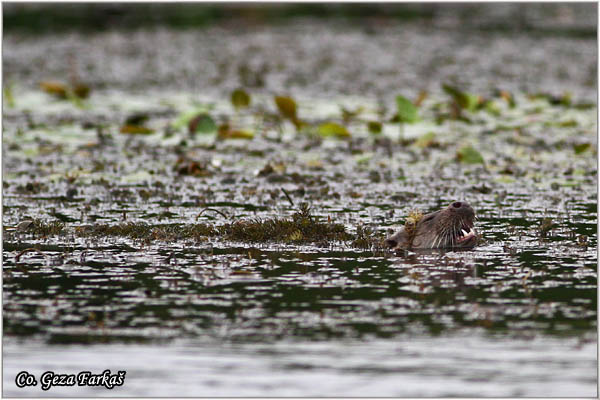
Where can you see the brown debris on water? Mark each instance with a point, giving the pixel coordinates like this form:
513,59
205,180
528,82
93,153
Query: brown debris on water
302,227
184,166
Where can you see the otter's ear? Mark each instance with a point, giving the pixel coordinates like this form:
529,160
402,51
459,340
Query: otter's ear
398,239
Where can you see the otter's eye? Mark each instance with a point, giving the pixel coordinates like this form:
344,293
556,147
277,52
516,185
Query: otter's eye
457,204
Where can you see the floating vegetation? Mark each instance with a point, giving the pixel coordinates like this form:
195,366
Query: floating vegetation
202,123
226,132
148,232
38,227
408,113
240,98
411,222
288,109
463,100
468,155
367,238
302,227
184,166
135,130
333,129
64,91
374,127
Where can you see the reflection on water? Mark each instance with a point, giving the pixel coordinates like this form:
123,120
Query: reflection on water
254,294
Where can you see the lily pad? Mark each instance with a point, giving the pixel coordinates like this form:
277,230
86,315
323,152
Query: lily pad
468,155
407,111
240,99
202,123
580,148
374,127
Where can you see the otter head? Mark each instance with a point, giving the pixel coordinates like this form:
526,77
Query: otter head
451,227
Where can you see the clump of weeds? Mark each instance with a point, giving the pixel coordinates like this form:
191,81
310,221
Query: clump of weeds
301,228
366,239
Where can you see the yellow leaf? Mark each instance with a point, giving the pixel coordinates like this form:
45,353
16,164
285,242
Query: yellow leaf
333,129
57,89
226,133
240,99
136,130
287,107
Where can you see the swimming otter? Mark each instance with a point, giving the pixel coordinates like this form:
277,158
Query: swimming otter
451,227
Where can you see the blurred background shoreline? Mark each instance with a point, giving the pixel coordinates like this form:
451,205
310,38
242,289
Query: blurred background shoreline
562,19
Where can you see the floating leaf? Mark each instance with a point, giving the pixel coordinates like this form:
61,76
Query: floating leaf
427,140
407,111
374,127
237,134
240,99
468,155
57,89
183,120
8,95
63,91
82,91
580,148
202,123
333,129
136,130
287,107
464,100
225,132
136,118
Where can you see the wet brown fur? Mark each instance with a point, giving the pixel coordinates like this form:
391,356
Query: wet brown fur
440,229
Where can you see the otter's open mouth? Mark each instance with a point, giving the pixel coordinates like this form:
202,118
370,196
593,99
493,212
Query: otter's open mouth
451,227
466,235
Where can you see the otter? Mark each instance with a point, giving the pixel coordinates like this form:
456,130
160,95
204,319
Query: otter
451,227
